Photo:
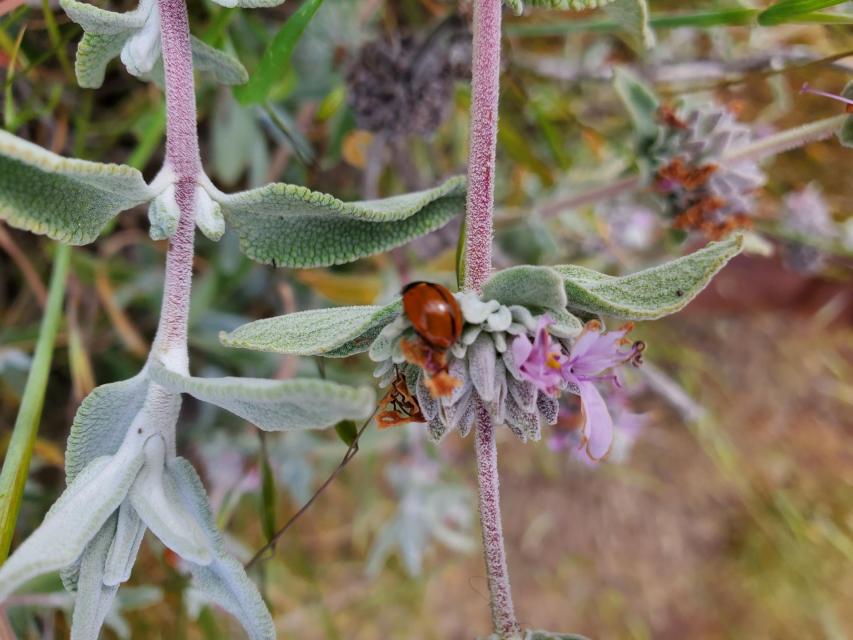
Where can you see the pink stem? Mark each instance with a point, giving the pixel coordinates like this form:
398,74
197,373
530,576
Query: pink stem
485,87
503,612
182,155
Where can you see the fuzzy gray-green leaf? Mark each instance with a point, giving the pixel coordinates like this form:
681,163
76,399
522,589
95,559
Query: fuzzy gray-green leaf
527,286
336,332
640,101
633,17
101,422
67,199
102,22
224,581
218,65
648,294
275,405
94,53
288,225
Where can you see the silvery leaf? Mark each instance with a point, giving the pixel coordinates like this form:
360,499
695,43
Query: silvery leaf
335,332
67,199
641,102
648,294
481,367
94,599
633,17
102,421
275,405
124,548
155,498
289,225
74,519
536,288
224,580
94,53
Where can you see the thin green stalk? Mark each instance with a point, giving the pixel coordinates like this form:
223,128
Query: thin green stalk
56,40
17,463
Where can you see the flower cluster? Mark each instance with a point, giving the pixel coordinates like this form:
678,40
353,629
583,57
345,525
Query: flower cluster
698,186
509,361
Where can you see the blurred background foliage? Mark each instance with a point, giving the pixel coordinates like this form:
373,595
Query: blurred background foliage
731,517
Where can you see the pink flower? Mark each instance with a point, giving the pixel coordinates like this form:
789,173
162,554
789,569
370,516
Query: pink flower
540,361
593,353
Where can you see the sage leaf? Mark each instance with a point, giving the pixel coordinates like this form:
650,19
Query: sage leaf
124,548
536,288
641,102
102,421
74,519
275,405
633,17
336,332
155,498
649,294
223,581
292,226
94,53
67,199
94,598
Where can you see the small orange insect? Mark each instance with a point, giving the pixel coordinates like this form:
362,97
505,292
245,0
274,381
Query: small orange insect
400,405
434,313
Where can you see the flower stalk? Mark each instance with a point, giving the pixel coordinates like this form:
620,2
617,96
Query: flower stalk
182,157
485,87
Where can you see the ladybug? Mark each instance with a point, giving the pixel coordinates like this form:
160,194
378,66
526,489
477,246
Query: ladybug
433,312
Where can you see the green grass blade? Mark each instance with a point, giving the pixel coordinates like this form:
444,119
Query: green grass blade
17,462
277,55
792,10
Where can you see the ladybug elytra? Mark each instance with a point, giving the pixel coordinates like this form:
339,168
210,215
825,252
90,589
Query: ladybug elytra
434,313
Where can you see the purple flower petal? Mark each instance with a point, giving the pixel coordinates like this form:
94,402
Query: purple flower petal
598,425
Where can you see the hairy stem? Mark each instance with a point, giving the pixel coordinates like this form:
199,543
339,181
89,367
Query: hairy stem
485,82
488,480
787,140
182,157
485,86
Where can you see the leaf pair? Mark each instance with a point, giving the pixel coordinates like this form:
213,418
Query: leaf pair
72,200
123,478
135,36
574,291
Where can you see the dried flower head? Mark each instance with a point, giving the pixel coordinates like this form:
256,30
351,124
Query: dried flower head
404,86
696,186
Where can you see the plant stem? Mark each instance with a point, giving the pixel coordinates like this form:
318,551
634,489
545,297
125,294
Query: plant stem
485,87
488,481
786,140
182,156
20,450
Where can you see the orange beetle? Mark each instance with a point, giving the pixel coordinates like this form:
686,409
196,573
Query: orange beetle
433,312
